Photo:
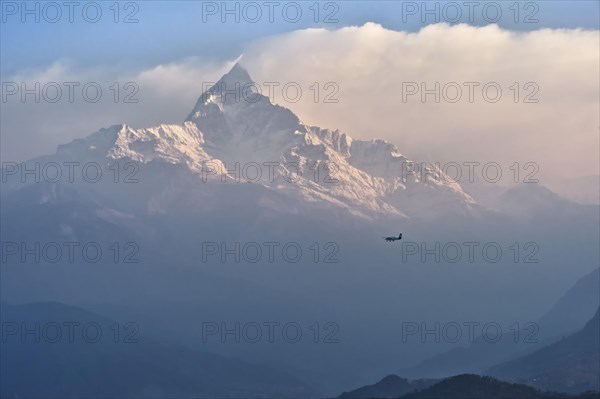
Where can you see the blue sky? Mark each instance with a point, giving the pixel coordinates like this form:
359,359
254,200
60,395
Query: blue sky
170,30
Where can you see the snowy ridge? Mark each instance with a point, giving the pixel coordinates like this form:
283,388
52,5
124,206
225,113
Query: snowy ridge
171,143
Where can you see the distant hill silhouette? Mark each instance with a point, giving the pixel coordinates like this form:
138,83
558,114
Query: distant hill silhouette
570,313
571,365
391,386
471,386
464,386
575,308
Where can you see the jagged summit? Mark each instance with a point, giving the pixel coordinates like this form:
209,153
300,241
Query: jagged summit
237,74
241,125
233,88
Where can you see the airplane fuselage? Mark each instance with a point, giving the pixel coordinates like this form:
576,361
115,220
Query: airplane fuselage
392,239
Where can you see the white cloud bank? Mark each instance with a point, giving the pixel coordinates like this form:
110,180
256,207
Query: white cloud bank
371,65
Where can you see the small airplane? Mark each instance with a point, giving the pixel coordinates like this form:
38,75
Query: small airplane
392,239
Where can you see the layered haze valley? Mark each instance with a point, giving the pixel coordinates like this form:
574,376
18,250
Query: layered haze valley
349,297
299,200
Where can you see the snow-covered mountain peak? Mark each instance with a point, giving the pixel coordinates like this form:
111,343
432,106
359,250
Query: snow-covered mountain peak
320,166
235,89
241,125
